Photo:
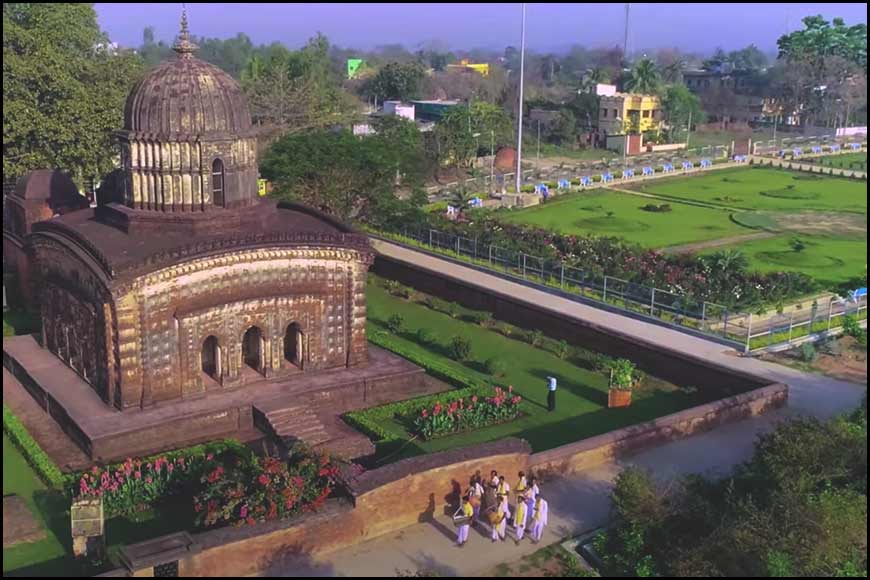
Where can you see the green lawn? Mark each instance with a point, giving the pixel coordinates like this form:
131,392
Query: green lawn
756,188
830,260
857,161
582,396
587,213
49,555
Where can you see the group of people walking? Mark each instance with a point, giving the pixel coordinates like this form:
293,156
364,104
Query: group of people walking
488,503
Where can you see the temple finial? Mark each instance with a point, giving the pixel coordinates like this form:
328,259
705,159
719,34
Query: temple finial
183,45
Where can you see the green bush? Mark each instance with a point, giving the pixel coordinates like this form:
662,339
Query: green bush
562,349
808,352
622,374
535,337
459,348
483,319
495,367
41,463
395,323
506,329
424,336
452,310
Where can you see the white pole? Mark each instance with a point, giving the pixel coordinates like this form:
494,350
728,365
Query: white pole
688,130
519,176
491,161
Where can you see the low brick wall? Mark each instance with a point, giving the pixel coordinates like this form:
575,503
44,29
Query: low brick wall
596,450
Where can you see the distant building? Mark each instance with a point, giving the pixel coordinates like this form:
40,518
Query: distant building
466,65
399,109
605,90
630,112
354,67
729,96
433,110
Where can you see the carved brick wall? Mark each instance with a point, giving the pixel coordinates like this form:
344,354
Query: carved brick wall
165,317
75,307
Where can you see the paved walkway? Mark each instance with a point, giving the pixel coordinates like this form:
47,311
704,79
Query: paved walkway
580,502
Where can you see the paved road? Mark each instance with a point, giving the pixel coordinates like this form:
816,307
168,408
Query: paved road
580,502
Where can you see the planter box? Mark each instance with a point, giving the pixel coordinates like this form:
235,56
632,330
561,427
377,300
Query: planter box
618,398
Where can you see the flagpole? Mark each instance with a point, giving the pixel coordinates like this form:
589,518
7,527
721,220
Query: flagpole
519,176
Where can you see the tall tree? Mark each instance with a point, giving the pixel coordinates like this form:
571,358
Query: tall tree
396,81
63,97
455,133
680,106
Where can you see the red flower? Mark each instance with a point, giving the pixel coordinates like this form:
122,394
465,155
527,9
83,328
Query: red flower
138,475
424,413
263,479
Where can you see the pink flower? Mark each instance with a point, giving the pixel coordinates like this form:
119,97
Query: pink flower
138,475
209,457
263,479
148,479
244,511
424,413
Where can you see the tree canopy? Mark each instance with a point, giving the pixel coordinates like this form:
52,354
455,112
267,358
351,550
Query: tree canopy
396,81
645,78
63,91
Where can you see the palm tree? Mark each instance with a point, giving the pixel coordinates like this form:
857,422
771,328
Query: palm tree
728,262
459,198
645,77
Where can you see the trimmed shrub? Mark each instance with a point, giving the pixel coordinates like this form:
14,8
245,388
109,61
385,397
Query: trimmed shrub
506,329
452,310
424,336
459,348
495,367
38,459
395,323
562,349
483,319
535,337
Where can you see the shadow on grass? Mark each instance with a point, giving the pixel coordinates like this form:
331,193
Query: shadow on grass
591,394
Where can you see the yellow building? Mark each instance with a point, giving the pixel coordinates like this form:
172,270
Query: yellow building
466,65
629,112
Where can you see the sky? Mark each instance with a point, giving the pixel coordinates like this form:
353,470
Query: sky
549,27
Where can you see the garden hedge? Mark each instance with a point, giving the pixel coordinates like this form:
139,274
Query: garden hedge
41,463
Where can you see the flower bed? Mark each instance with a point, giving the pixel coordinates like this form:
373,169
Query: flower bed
263,490
462,414
226,483
138,484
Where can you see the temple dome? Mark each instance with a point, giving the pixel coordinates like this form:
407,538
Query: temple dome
186,96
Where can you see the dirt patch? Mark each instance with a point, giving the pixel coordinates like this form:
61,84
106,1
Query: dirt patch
840,358
817,222
19,525
698,246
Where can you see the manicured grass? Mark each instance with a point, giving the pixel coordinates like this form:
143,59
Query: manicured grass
857,161
830,260
755,188
49,555
582,396
587,213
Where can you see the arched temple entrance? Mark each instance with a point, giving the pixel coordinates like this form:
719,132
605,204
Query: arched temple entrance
252,349
293,345
211,357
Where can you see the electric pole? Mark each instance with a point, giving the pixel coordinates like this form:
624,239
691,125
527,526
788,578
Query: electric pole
519,176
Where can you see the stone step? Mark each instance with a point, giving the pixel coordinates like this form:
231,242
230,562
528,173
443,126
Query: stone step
348,448
299,432
287,412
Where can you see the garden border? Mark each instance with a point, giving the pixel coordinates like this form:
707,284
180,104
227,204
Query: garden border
35,456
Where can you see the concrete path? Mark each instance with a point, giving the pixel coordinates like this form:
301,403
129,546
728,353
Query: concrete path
580,502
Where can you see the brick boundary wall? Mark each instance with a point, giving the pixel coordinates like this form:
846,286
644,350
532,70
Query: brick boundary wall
414,490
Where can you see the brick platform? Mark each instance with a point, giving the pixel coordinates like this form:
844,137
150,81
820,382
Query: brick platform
105,433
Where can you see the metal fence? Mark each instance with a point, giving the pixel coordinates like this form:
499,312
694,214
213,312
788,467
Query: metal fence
677,310
800,323
745,331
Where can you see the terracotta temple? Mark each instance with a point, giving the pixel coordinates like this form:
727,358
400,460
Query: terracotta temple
188,305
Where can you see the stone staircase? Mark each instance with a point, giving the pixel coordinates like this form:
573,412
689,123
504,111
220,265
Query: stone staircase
299,421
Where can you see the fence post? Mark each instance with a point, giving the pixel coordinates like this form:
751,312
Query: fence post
457,245
830,313
430,238
562,276
604,297
524,265
475,248
725,325
790,326
652,303
490,255
748,335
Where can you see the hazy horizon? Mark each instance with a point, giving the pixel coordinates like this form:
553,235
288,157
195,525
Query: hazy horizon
549,27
